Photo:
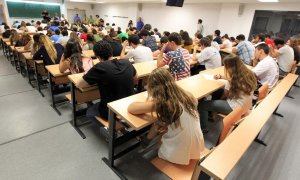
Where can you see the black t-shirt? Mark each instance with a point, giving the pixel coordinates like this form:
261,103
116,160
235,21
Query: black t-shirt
114,79
42,54
218,39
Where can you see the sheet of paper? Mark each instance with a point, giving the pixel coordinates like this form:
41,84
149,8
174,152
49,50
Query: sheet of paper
208,76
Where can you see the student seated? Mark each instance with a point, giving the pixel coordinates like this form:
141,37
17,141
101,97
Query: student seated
22,27
64,38
239,87
156,32
260,38
26,41
56,36
164,40
178,119
213,43
14,37
226,43
30,28
84,34
115,79
36,43
74,36
96,35
90,41
122,36
54,26
266,70
218,38
138,52
294,42
50,53
285,56
74,60
7,32
187,42
148,41
244,49
209,56
115,45
178,59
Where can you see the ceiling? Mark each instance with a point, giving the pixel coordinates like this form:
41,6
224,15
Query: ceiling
163,1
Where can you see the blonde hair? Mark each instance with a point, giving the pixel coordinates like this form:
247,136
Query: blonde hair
169,99
242,79
45,40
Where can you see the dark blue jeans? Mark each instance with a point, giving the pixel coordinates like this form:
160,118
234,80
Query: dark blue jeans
220,106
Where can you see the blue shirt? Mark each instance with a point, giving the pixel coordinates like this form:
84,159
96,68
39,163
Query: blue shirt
53,28
76,19
55,37
139,25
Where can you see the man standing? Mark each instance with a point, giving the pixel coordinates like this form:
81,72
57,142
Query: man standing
244,49
200,27
140,24
77,19
91,20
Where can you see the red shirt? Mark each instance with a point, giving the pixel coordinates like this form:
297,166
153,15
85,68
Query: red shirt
83,36
270,42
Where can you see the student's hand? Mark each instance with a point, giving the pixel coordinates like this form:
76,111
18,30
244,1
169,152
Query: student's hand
125,43
196,47
218,76
164,47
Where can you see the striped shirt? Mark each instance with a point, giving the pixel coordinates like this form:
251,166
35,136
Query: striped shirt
179,63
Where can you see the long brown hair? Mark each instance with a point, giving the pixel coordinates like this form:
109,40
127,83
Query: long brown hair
242,79
14,37
45,40
169,99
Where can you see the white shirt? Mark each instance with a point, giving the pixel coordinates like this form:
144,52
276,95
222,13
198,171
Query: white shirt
267,71
43,25
140,54
215,45
183,143
210,57
63,40
241,101
227,44
30,29
285,58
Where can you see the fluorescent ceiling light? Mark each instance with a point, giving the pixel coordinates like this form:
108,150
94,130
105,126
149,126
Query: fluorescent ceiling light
34,2
268,0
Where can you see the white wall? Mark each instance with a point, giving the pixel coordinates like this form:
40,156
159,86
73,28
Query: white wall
107,11
174,19
82,6
228,19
